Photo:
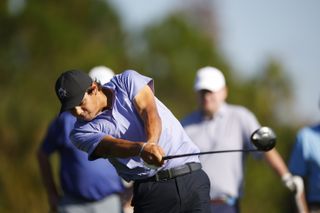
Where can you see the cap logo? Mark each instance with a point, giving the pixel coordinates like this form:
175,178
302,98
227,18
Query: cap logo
62,93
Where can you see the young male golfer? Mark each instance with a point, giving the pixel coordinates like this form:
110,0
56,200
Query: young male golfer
124,122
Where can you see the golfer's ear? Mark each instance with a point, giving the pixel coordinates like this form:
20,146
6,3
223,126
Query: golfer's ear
93,88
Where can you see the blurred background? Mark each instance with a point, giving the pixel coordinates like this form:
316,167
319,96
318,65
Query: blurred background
269,52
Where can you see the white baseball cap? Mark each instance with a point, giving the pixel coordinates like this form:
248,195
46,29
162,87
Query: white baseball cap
209,78
101,74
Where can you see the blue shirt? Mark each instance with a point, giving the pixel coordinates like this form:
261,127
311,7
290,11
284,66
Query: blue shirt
123,121
305,160
78,176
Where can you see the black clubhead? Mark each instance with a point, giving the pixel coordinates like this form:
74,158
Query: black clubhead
264,138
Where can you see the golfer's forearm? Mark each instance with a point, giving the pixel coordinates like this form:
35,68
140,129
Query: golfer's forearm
115,147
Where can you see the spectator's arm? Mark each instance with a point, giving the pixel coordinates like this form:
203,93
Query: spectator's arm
48,180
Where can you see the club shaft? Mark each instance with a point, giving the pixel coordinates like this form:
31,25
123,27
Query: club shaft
209,152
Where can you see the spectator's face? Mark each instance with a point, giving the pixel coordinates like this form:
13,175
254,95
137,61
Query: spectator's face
210,102
90,105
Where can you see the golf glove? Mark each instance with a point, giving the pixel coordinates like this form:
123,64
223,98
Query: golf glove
293,183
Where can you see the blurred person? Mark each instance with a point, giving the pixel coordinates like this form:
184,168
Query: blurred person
218,125
101,74
124,122
86,186
305,162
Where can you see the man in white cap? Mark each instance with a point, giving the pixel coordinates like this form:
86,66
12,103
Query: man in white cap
218,125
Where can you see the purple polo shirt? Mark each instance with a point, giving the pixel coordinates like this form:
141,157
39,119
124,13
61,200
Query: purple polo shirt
123,121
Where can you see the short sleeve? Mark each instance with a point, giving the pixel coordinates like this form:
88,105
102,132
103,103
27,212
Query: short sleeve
86,139
133,82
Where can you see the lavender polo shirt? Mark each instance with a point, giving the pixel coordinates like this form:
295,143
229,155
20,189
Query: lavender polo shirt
123,121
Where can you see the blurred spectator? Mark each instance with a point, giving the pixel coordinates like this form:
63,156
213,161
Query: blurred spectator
305,162
101,74
218,125
87,186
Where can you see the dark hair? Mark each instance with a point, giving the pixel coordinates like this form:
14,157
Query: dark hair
89,90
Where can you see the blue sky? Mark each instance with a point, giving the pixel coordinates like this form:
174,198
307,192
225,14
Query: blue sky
250,32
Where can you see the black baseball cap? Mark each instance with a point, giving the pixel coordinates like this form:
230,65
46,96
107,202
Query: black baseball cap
70,88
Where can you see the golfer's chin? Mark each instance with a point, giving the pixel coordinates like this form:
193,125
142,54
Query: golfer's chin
88,117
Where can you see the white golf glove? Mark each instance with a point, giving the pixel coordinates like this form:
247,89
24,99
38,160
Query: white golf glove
293,183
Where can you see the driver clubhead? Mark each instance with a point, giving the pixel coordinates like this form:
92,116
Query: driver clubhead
264,138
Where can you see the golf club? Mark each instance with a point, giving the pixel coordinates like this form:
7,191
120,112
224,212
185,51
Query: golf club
263,138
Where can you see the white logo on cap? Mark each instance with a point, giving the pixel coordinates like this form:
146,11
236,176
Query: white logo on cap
62,93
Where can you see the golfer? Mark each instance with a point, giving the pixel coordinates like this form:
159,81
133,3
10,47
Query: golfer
124,122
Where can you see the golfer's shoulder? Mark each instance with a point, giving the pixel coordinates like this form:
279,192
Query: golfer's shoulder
130,78
128,74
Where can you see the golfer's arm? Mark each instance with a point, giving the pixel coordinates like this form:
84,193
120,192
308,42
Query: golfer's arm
276,162
116,147
145,104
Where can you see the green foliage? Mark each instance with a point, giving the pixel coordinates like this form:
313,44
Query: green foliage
174,51
48,37
274,88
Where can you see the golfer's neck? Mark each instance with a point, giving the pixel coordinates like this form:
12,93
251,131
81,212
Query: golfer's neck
107,99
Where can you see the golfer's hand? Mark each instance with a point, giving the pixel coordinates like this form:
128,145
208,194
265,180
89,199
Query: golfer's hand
152,154
293,183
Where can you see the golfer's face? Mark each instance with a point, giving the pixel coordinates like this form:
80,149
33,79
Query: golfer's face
211,101
88,108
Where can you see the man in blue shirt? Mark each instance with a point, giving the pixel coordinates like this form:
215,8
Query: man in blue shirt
305,162
124,122
86,186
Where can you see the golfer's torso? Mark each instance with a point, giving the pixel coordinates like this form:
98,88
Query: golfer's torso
125,123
